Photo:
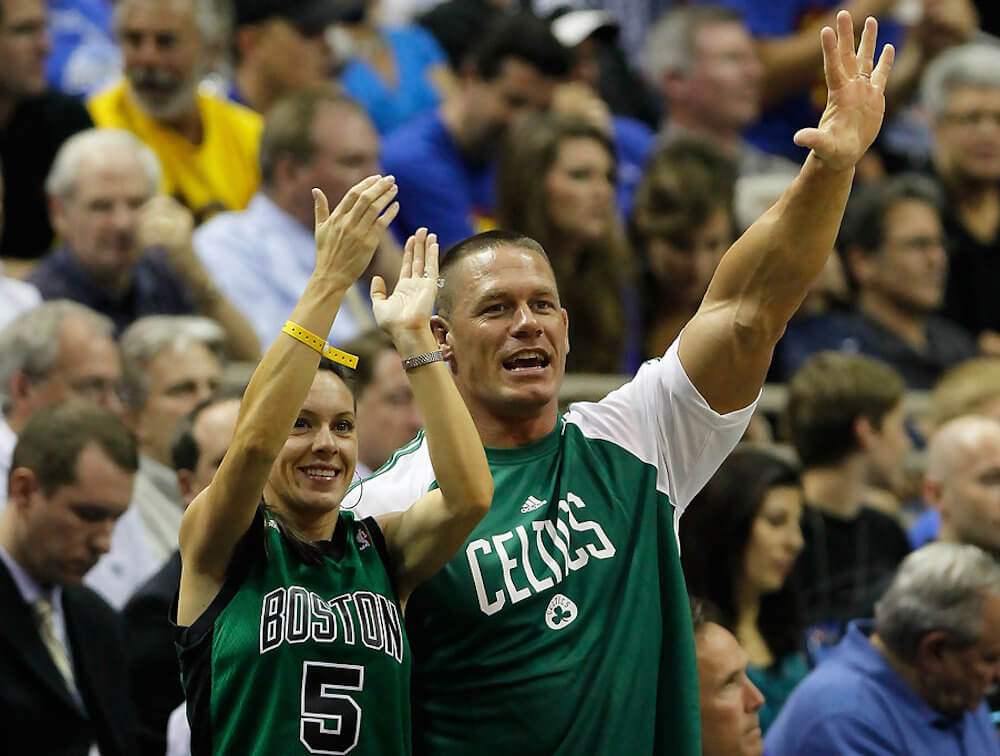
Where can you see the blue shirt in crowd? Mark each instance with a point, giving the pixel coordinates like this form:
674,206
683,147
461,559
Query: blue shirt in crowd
155,288
84,56
856,703
781,18
416,52
925,528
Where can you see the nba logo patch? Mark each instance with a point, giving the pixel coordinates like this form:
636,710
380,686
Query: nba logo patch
362,538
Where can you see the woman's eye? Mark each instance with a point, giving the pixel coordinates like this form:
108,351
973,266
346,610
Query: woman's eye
344,427
300,422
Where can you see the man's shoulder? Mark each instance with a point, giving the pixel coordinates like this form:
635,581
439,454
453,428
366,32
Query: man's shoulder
413,144
83,603
241,116
53,106
103,103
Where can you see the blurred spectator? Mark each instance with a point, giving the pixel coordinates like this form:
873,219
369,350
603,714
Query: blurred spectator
199,444
458,24
263,256
728,699
387,414
34,121
65,690
912,682
681,226
893,247
444,161
279,47
84,55
51,352
786,32
961,90
845,420
556,184
126,253
739,541
169,365
207,146
16,296
702,61
397,73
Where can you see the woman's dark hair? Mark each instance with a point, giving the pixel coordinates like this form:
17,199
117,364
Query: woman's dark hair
714,534
307,551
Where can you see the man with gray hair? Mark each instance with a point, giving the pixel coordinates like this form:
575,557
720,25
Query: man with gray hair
170,364
702,61
962,481
126,251
961,91
51,352
207,145
913,682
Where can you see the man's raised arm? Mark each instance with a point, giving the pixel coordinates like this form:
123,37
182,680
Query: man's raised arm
726,348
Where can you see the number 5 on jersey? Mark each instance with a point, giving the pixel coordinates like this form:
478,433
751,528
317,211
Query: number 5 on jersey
331,722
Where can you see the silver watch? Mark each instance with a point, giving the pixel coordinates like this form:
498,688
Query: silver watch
422,359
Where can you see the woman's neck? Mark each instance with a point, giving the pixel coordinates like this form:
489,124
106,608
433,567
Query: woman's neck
747,629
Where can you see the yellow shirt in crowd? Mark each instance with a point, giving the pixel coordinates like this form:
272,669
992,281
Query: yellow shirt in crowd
221,173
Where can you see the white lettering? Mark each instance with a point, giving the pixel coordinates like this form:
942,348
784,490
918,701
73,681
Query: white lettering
607,549
507,565
572,565
488,607
552,564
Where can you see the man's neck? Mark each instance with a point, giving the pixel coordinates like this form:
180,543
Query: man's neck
7,105
836,491
289,202
976,206
511,432
253,90
905,323
452,114
729,139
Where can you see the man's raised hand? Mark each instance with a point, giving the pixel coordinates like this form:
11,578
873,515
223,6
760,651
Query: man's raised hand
412,302
855,103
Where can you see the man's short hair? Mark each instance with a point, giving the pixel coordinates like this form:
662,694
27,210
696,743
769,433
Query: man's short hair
941,586
149,336
973,66
368,346
703,612
525,38
185,452
288,128
63,176
473,246
827,394
51,441
965,389
29,344
669,44
212,18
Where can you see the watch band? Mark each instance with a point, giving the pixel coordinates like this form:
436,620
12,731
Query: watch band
422,359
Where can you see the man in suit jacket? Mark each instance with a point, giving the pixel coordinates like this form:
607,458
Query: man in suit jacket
61,651
155,674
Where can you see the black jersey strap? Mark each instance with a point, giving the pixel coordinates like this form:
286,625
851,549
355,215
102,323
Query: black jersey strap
378,539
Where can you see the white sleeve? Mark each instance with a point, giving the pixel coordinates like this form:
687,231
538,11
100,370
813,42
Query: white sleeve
396,485
178,732
660,417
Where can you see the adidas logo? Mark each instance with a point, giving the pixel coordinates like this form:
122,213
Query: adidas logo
531,504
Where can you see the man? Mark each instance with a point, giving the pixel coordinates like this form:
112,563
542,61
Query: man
126,253
702,61
444,162
49,353
962,481
728,700
65,690
562,627
263,256
280,47
387,414
207,146
170,364
845,421
199,445
912,683
34,121
893,246
961,90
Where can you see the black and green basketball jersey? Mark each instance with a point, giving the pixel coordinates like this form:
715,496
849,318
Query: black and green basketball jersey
562,627
292,658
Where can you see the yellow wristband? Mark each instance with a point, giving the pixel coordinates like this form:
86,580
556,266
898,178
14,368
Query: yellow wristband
313,341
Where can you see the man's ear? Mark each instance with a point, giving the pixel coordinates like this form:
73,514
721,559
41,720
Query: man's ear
864,433
565,315
442,335
19,388
933,491
185,484
22,484
57,214
932,649
246,39
859,264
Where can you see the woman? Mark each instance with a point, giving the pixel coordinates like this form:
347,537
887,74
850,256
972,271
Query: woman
739,540
289,612
556,184
682,225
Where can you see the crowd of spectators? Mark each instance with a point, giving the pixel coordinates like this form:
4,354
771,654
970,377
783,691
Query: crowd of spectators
156,229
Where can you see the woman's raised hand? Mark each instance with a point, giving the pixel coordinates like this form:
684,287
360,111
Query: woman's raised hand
412,302
346,238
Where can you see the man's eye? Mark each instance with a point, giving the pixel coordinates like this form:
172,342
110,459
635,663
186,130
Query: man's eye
301,422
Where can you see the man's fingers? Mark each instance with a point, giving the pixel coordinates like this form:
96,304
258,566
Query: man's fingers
866,50
431,263
880,76
377,289
406,266
419,252
321,209
845,43
835,76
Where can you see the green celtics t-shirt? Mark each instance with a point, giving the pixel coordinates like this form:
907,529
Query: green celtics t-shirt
295,658
562,626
